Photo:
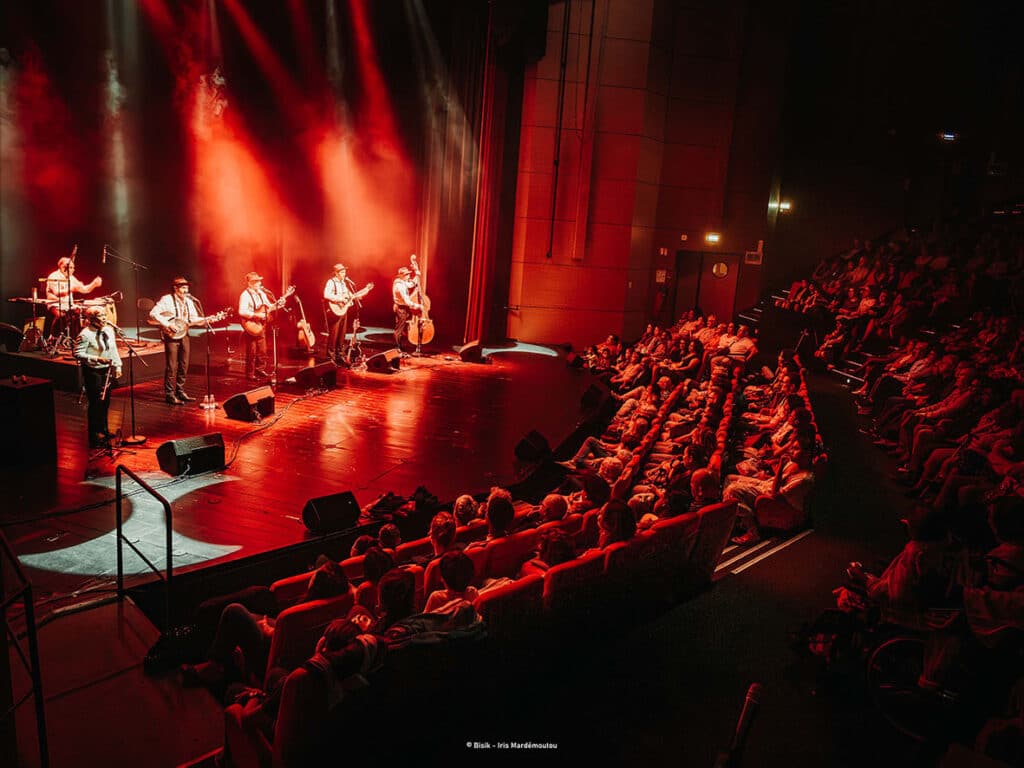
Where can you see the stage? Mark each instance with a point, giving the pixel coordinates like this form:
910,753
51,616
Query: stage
448,425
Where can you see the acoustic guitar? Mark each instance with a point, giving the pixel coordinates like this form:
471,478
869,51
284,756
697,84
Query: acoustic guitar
306,340
256,324
339,308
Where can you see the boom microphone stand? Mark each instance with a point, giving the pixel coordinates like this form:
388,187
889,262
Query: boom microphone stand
108,251
133,438
208,404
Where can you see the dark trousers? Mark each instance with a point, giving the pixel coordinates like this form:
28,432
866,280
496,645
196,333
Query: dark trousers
402,315
337,327
176,353
238,628
255,354
93,379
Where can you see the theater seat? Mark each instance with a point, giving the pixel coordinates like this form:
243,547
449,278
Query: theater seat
507,554
298,628
716,522
510,611
674,542
570,588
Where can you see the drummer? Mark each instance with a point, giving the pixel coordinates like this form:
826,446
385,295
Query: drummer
61,287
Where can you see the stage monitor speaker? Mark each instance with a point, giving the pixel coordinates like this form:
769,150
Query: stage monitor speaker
594,396
192,455
323,376
329,514
473,353
533,447
250,406
387,361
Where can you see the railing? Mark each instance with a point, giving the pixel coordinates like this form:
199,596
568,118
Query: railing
168,576
31,662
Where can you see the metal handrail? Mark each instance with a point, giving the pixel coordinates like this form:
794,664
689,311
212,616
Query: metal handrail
168,575
31,663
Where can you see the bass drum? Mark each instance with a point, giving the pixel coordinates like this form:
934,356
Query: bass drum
107,304
421,331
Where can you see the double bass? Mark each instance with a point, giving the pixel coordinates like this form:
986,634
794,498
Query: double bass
421,327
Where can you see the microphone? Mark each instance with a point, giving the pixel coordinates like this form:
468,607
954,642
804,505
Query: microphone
104,253
350,281
731,757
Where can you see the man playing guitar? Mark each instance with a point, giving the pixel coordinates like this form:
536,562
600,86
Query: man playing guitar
255,305
177,305
339,299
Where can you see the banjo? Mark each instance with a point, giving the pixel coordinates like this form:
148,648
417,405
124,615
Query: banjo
176,327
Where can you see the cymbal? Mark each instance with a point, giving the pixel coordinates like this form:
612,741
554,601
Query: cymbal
30,300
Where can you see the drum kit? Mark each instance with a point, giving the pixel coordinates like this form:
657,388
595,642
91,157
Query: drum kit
67,322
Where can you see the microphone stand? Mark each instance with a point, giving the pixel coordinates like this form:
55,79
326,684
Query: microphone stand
136,267
133,438
353,344
208,403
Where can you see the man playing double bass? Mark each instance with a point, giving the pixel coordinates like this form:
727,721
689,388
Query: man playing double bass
405,293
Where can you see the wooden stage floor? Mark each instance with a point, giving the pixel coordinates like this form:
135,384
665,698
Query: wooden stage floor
439,422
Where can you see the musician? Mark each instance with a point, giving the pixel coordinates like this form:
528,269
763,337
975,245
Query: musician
253,304
96,351
176,304
404,291
338,296
61,287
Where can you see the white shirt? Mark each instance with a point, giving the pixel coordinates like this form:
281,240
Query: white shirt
170,305
336,290
250,300
400,293
98,349
57,289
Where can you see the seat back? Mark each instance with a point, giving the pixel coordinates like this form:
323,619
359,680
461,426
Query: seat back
416,548
625,560
507,554
674,542
298,629
510,610
570,587
589,533
716,521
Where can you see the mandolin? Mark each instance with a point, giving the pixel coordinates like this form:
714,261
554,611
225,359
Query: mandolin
255,325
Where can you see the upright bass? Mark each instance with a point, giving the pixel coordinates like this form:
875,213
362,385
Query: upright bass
421,327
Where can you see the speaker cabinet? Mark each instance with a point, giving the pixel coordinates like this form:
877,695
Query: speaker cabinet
323,376
473,353
388,361
250,406
192,454
533,447
329,514
30,424
10,338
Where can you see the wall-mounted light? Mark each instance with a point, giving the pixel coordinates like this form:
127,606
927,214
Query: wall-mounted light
712,238
663,251
948,136
683,238
785,206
